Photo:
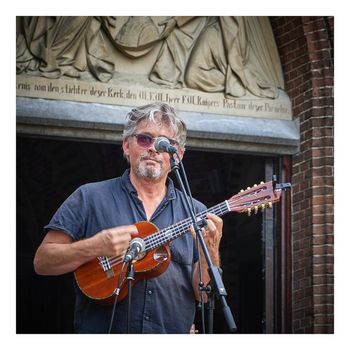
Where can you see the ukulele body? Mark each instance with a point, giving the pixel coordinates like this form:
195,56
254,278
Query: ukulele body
98,279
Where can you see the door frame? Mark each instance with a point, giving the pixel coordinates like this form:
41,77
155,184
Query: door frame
277,253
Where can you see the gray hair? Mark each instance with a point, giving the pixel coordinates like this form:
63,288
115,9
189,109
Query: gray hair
156,112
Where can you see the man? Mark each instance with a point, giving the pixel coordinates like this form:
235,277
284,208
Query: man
98,220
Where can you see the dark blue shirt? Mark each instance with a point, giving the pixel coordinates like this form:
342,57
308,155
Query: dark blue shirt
164,304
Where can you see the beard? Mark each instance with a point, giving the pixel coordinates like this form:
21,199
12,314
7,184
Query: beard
149,171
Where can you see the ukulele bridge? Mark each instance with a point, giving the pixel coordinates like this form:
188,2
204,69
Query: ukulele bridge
106,266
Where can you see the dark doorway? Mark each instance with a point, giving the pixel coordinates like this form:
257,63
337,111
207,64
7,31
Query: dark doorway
49,170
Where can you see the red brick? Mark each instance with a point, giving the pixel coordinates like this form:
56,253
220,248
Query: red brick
323,279
322,152
323,268
323,289
320,200
323,209
323,234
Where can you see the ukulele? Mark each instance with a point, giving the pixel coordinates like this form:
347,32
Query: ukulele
98,278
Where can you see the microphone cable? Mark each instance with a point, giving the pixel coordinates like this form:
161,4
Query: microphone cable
116,292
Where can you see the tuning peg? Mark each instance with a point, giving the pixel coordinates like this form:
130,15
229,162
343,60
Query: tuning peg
263,207
255,185
270,204
248,188
249,212
242,190
262,182
256,208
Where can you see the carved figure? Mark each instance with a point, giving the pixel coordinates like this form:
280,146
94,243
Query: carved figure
221,54
56,46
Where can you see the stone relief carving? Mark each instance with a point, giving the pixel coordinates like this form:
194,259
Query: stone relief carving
56,46
233,55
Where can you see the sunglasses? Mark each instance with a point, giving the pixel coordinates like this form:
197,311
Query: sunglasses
146,141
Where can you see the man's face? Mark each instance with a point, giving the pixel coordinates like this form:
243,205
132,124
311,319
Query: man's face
146,162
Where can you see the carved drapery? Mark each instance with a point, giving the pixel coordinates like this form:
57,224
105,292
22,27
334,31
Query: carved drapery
56,46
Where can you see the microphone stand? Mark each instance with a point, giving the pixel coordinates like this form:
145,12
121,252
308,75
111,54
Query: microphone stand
130,276
214,272
211,307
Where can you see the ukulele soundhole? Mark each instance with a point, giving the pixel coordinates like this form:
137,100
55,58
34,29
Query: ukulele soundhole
160,254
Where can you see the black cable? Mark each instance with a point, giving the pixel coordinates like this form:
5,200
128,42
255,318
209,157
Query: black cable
116,292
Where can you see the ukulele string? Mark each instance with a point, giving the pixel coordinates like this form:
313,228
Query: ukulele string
159,238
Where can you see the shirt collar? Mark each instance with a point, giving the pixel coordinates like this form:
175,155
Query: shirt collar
171,194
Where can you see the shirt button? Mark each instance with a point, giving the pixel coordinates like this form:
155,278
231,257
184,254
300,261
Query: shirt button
147,318
150,292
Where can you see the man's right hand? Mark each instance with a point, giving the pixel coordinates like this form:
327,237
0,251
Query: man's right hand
114,241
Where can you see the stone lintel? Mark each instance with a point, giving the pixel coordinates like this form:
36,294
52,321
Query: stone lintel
207,132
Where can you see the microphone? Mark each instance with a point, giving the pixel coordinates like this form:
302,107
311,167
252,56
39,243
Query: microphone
162,144
137,246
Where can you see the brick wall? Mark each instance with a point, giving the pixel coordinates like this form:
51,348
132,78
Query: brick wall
306,49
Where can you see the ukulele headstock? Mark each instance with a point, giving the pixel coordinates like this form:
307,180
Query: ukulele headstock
257,197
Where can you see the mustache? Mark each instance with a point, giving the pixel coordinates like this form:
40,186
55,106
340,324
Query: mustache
148,157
